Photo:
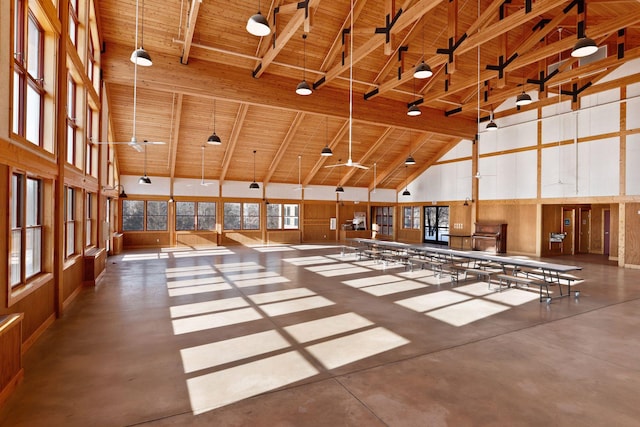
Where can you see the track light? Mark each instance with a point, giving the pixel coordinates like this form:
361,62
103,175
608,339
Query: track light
410,160
523,99
584,47
422,71
413,111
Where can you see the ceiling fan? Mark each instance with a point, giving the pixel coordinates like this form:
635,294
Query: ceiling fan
350,162
133,142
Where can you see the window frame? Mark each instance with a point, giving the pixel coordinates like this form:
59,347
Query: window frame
243,216
384,219
70,222
411,217
283,216
19,211
145,217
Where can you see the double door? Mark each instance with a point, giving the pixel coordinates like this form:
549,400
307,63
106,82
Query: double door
436,224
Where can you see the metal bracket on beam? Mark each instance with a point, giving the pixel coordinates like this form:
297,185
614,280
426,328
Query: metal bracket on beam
452,47
502,64
543,80
575,92
386,30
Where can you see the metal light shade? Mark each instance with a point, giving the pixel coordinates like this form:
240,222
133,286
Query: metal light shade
303,88
123,195
422,71
414,111
258,25
491,126
584,47
326,151
410,160
141,57
254,186
523,99
144,180
214,139
406,192
339,189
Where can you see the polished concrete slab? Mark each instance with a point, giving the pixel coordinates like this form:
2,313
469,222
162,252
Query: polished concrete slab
302,336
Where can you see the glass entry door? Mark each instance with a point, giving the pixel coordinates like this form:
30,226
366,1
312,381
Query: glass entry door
436,224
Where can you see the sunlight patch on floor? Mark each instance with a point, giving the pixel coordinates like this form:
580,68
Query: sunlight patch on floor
189,273
467,312
238,266
207,307
287,294
221,388
326,327
293,306
393,288
432,301
171,284
215,320
514,297
351,348
309,260
200,289
143,257
231,350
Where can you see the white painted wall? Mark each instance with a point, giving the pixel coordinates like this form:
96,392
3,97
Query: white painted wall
195,187
159,186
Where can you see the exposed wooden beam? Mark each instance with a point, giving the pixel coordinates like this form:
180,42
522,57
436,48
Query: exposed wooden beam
175,133
291,134
336,45
283,38
233,140
235,84
191,27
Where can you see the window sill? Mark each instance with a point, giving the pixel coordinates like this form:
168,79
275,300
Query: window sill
21,292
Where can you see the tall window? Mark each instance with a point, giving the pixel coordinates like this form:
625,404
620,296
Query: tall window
91,63
90,149
26,228
195,216
282,216
28,75
138,215
411,217
73,21
133,215
157,215
72,125
89,221
69,221
241,216
384,219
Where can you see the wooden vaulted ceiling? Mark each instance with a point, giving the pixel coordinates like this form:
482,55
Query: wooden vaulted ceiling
208,70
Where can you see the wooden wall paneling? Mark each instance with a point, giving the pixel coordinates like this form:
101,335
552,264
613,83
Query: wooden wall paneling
146,239
614,235
632,235
551,223
4,243
196,238
284,237
72,280
597,229
521,237
11,371
316,221
244,237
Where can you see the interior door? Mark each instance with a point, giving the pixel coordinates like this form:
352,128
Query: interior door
568,227
584,237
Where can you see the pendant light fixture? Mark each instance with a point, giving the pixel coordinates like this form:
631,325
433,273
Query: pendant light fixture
326,151
303,87
406,189
145,180
140,56
491,126
254,185
584,47
214,139
410,160
422,71
257,25
339,188
413,110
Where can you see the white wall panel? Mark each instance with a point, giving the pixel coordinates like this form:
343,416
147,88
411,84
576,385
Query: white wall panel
355,194
510,176
240,189
599,120
633,160
320,192
451,181
283,191
383,195
633,118
633,90
194,187
463,149
159,186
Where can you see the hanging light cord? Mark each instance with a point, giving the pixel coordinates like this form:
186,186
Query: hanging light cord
351,83
135,78
304,56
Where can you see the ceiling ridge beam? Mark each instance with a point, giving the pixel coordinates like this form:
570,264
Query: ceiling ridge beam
233,140
378,39
321,161
283,38
191,27
293,128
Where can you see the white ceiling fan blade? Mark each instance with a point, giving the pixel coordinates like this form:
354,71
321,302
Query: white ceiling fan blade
335,166
358,165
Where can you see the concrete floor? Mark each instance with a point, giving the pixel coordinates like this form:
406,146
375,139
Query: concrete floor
300,336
